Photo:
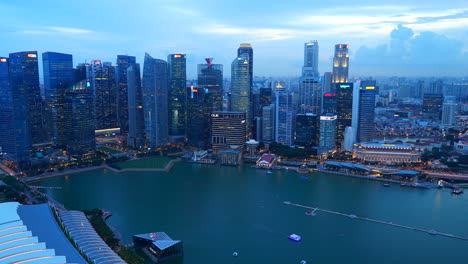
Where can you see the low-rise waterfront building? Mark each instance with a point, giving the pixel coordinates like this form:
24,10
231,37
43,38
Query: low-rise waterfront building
267,161
391,153
230,157
158,246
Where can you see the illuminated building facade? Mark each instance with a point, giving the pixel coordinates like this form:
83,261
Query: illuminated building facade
449,108
227,129
310,87
327,140
307,130
341,63
58,78
284,116
198,118
329,103
246,48
177,101
432,106
392,153
155,93
344,109
366,111
136,117
327,83
268,123
210,77
123,63
241,87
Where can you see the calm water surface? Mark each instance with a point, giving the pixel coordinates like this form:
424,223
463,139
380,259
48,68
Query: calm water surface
217,210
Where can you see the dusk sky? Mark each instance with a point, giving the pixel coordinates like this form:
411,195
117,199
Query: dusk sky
401,37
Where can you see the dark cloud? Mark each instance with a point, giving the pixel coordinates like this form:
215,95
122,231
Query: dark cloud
426,53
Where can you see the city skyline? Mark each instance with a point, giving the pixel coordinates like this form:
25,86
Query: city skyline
400,34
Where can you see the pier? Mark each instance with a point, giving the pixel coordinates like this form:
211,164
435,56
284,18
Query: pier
352,216
45,187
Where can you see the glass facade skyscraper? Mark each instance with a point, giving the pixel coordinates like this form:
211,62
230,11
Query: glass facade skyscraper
198,118
177,101
366,111
307,130
310,87
136,118
228,129
344,109
123,63
24,82
284,116
327,141
341,63
240,87
58,77
155,99
432,105
210,77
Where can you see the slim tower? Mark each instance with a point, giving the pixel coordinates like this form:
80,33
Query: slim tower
366,111
136,119
177,100
240,87
123,63
341,63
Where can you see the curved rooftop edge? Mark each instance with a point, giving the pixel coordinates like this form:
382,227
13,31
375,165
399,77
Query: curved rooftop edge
29,234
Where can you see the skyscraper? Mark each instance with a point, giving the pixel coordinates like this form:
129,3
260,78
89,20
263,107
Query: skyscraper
155,94
344,109
327,141
366,111
240,87
123,63
103,84
284,116
136,118
24,81
246,48
198,118
268,123
341,63
210,77
307,130
449,108
329,103
432,105
327,83
58,78
15,142
310,87
80,119
348,139
227,129
177,101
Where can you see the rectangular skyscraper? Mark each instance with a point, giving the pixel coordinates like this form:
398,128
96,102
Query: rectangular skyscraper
284,116
327,141
198,117
177,101
344,99
341,63
366,112
268,123
24,81
307,130
310,87
228,129
123,63
246,48
240,87
58,78
155,94
432,105
136,118
210,77
15,141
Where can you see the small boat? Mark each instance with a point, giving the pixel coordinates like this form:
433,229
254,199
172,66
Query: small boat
235,254
403,184
268,172
295,237
457,191
303,262
310,213
386,185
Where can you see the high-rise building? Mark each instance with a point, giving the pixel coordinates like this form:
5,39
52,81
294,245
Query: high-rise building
210,77
307,130
344,109
310,87
123,63
432,105
246,48
449,108
240,87
348,139
341,63
268,123
24,82
327,140
15,141
284,116
366,111
329,103
155,93
102,78
327,83
177,101
80,119
436,87
136,117
58,78
198,118
227,129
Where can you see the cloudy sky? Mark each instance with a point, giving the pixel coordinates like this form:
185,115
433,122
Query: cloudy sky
401,37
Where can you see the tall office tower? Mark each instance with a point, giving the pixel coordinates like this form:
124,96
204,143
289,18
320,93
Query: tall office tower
210,77
58,78
341,63
265,96
123,63
310,87
284,116
327,83
177,101
227,129
457,89
24,81
80,72
80,119
246,48
432,106
307,130
240,88
344,109
436,87
366,111
329,103
348,139
155,94
136,117
268,123
327,141
102,79
15,141
198,118
418,90
449,108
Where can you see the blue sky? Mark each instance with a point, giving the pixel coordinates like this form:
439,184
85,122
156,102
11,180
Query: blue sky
405,38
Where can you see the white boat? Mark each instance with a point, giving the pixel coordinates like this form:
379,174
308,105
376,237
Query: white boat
295,237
